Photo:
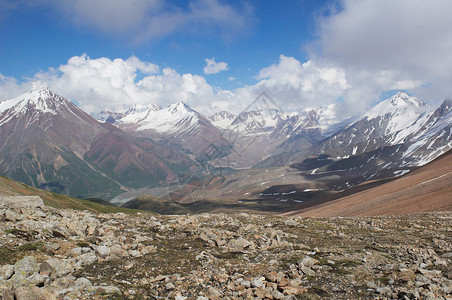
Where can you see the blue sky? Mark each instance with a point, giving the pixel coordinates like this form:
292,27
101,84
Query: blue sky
109,54
35,37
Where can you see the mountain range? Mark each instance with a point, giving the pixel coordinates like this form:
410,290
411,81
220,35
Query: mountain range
51,143
48,142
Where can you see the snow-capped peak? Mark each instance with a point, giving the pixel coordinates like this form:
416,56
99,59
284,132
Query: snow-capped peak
402,99
400,116
400,103
176,118
137,108
43,100
179,107
35,104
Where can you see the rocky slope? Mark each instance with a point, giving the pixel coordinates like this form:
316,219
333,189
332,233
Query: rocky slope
64,254
428,188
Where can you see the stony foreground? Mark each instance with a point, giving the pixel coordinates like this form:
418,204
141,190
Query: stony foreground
64,254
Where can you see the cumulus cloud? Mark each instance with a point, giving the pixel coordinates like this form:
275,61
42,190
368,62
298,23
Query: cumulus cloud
384,45
296,85
103,84
213,67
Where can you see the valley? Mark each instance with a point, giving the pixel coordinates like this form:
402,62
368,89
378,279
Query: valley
175,160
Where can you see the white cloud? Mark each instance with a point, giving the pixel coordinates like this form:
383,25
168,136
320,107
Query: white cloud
102,83
295,85
144,20
213,67
384,45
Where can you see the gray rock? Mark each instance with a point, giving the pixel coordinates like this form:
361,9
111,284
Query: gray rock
10,216
64,282
26,266
170,286
56,267
6,272
289,297
307,271
258,282
239,244
103,251
290,222
82,284
277,295
307,261
22,270
213,292
86,259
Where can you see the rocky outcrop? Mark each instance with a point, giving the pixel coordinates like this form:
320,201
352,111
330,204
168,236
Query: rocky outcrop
66,254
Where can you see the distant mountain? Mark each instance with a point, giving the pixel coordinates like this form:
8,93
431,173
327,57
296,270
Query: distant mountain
388,123
50,143
222,119
394,137
179,127
107,116
257,121
401,121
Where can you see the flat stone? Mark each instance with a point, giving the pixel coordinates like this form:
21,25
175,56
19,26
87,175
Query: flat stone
294,290
271,276
239,244
111,289
284,282
307,261
33,293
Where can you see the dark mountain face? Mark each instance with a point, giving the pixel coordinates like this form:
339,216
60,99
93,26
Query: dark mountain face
136,162
48,142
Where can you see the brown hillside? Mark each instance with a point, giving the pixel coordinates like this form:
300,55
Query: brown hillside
426,189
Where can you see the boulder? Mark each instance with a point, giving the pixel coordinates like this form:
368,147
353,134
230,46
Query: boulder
32,202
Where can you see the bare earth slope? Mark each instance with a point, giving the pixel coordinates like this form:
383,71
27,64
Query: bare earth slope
427,189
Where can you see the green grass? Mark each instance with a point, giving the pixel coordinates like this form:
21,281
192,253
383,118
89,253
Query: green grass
61,201
31,246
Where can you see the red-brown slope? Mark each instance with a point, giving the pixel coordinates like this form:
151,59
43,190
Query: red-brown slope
426,189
